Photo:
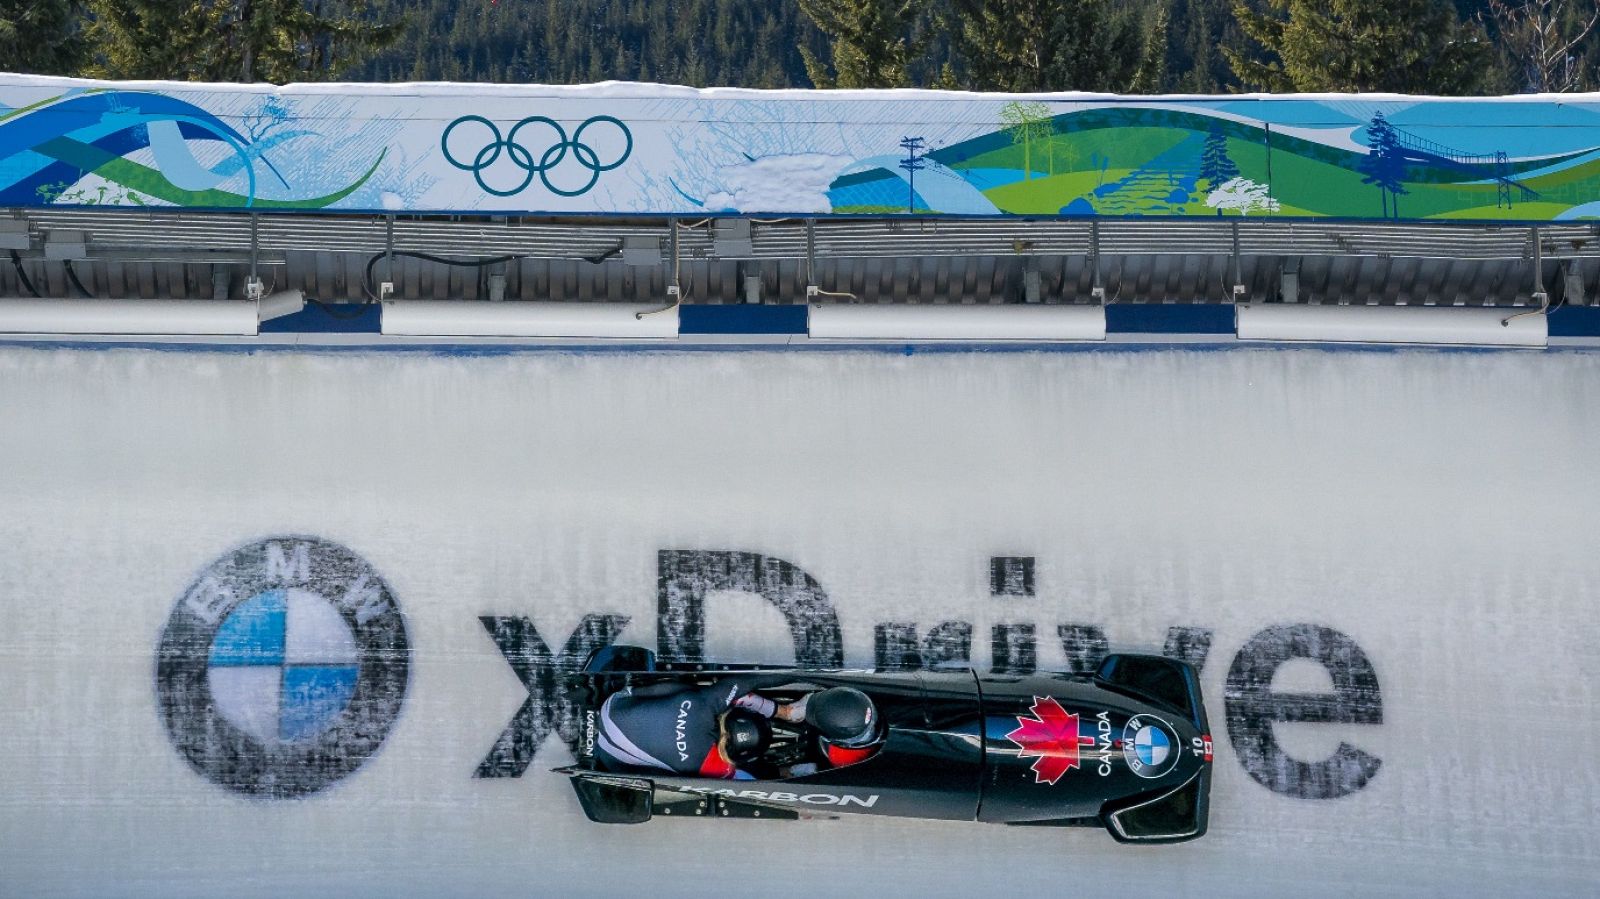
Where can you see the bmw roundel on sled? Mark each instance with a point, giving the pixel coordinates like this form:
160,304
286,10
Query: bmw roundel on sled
1127,748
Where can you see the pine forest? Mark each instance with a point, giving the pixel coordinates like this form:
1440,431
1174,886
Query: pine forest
1127,46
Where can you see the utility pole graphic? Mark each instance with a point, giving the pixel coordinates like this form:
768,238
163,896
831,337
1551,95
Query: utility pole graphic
912,164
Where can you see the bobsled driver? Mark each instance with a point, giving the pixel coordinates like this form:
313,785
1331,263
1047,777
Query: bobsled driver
847,724
718,730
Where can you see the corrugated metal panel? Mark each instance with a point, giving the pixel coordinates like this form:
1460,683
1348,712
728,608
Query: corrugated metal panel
188,255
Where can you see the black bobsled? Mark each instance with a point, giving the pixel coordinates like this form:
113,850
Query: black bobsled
1127,748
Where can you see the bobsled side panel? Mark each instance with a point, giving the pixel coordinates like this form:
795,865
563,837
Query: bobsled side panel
929,765
1061,746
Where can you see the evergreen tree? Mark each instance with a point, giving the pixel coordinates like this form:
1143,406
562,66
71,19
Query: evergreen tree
150,39
871,40
947,80
235,40
1197,46
1047,45
1384,166
1150,76
1216,166
1405,46
1097,48
733,42
1200,31
1005,44
40,36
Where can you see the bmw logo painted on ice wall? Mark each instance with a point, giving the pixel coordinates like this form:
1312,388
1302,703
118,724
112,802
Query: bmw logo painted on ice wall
283,667
1149,746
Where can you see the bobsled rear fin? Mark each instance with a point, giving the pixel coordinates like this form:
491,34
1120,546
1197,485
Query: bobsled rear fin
1174,817
1165,681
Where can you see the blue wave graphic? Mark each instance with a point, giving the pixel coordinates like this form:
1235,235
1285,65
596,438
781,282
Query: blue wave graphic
114,122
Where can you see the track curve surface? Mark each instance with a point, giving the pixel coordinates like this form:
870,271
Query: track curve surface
290,622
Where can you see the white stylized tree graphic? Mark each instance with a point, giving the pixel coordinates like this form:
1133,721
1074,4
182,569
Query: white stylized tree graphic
1242,194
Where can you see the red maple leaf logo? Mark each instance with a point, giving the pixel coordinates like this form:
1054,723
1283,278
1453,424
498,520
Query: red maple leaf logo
1050,737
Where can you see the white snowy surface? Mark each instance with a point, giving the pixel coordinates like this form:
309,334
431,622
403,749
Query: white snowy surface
611,90
1437,507
797,182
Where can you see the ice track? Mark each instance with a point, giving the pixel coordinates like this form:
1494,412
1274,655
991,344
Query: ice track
1396,548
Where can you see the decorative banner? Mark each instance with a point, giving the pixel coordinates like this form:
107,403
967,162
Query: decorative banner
635,149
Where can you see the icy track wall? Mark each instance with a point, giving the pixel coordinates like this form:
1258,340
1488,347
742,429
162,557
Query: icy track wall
283,624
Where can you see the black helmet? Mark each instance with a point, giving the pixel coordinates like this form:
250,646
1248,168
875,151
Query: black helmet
845,716
747,735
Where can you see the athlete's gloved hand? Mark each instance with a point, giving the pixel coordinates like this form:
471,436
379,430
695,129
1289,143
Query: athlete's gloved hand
794,712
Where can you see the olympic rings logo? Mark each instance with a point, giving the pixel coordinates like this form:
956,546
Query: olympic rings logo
554,155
